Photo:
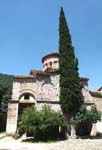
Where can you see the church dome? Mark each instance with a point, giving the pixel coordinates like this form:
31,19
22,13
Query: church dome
51,61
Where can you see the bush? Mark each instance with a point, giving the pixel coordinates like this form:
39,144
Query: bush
43,125
84,119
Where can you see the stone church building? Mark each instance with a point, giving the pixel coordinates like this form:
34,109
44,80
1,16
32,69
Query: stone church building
41,87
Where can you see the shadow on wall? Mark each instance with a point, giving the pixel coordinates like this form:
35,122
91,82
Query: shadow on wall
3,118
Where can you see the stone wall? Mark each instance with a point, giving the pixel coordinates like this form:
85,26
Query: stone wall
43,87
87,98
55,106
98,102
46,88
12,118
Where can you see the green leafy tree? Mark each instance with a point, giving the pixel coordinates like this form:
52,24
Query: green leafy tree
5,94
6,82
42,124
85,115
70,90
84,119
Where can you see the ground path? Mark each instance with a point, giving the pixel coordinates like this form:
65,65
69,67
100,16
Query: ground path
7,143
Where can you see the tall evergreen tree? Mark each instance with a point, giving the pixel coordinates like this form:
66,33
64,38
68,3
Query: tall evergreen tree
70,91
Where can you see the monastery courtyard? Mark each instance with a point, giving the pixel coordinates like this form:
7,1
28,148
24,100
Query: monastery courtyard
8,143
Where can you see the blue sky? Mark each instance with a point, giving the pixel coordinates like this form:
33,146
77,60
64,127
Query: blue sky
29,30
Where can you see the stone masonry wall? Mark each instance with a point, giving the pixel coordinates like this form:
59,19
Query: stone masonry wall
98,102
46,88
42,87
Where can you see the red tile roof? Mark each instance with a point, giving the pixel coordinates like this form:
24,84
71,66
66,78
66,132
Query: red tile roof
84,79
96,94
34,73
38,72
24,77
100,89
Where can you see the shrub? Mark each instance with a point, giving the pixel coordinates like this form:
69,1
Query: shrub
84,119
44,124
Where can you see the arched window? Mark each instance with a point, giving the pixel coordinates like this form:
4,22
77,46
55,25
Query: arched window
46,64
55,62
27,96
50,64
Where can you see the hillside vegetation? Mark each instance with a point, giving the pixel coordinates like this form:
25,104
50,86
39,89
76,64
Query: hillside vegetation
5,91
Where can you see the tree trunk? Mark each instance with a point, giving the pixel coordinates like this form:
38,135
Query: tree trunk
73,131
68,125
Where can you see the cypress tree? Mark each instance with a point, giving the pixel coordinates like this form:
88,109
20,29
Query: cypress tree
70,91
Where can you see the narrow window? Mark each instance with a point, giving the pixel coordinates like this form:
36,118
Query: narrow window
46,64
55,62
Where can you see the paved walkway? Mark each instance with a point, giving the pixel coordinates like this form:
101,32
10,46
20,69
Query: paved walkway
2,135
8,143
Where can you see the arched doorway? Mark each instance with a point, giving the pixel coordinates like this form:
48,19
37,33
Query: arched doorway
26,100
